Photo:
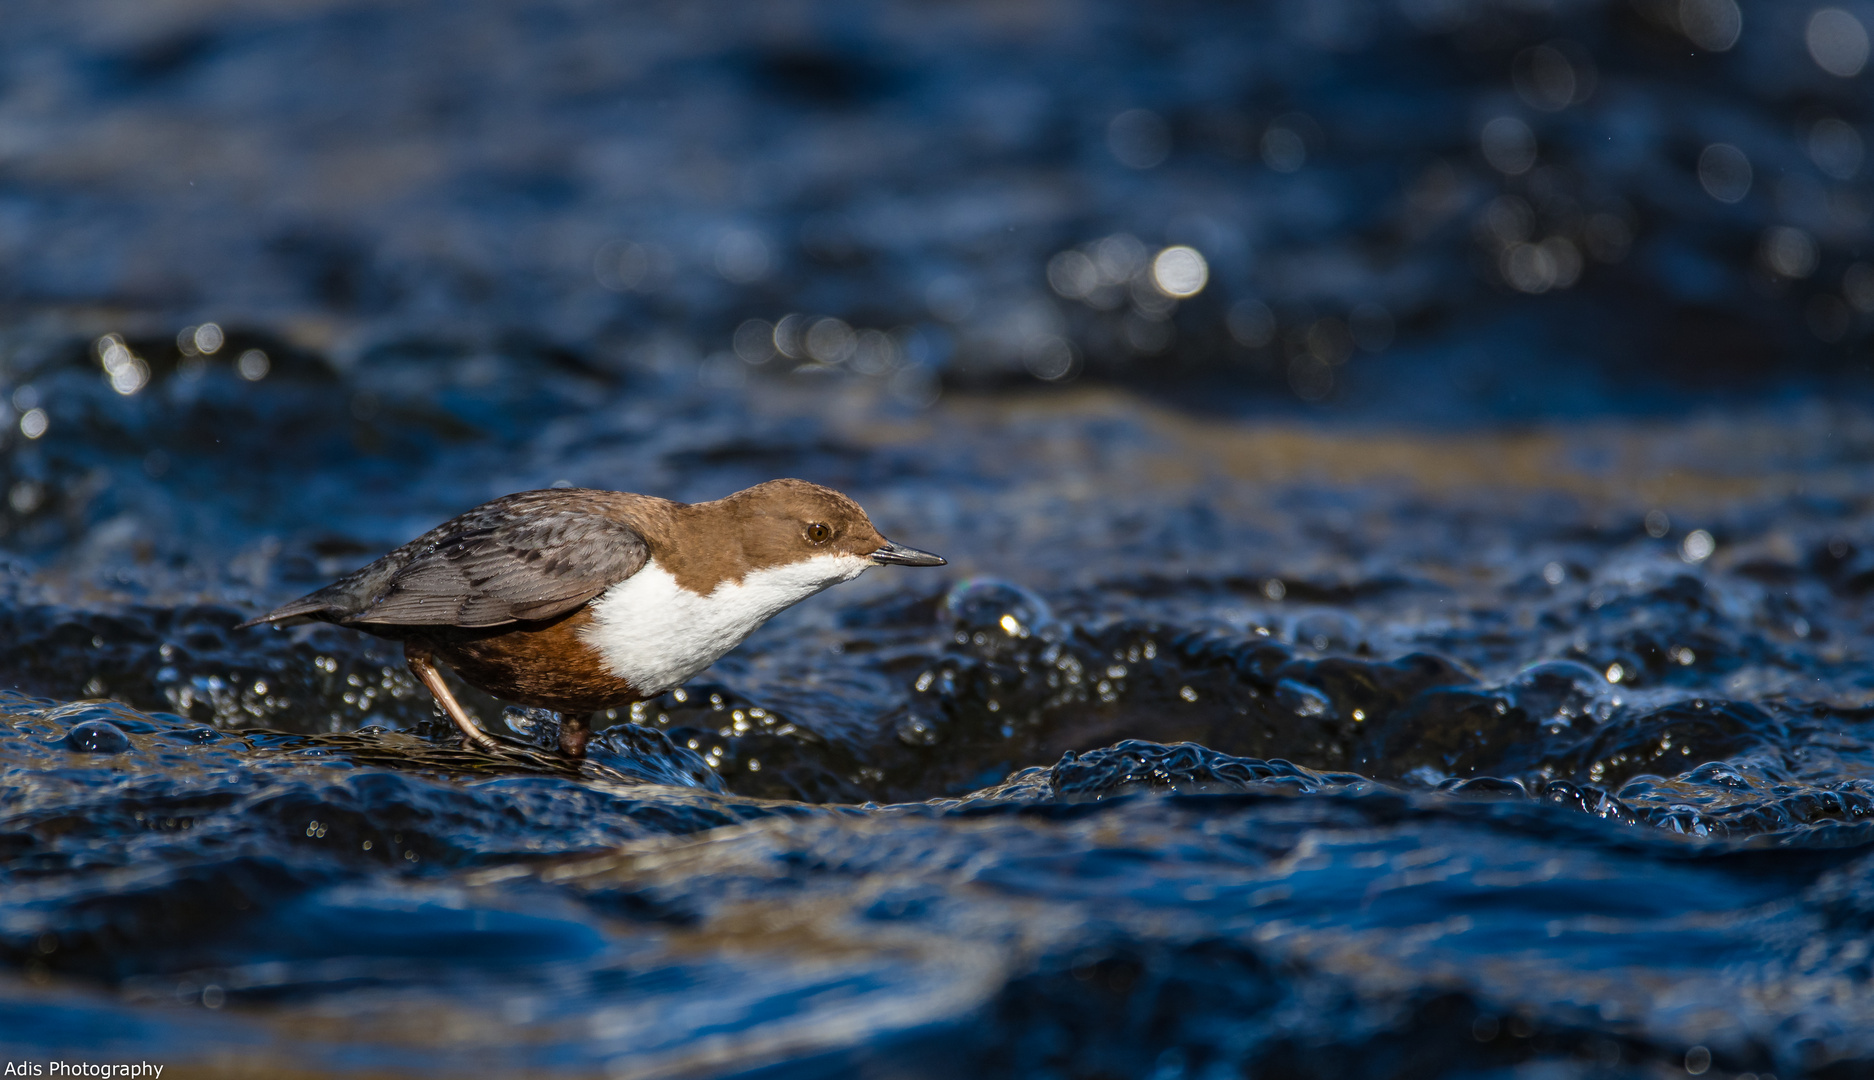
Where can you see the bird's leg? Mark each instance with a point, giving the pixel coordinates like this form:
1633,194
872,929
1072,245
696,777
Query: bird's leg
422,664
575,731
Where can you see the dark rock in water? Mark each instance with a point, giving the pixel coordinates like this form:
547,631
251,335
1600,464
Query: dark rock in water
97,737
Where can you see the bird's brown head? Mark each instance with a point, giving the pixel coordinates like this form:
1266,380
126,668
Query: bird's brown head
784,521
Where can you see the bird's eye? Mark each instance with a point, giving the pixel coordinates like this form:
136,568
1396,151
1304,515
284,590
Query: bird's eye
818,533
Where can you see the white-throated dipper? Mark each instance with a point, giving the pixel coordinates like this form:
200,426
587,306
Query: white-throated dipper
576,600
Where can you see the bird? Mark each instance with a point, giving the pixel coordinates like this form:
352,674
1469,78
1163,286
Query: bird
581,599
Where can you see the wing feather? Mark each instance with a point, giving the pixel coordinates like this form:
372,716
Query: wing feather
529,556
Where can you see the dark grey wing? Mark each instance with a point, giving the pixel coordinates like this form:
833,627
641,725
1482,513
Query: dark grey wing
525,556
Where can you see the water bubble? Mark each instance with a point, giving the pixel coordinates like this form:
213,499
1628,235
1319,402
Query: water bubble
1697,546
1000,609
97,737
1180,271
1327,629
1509,146
1712,25
1789,252
1303,700
33,423
1724,172
1554,573
253,365
1657,523
1836,148
1252,324
1837,41
1557,691
1615,673
1274,589
917,730
1697,1060
1139,139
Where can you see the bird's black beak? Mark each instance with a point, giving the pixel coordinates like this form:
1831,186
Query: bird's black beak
904,556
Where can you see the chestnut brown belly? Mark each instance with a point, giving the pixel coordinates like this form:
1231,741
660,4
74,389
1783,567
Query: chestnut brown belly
544,664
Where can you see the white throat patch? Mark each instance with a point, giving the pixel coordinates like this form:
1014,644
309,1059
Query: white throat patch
656,634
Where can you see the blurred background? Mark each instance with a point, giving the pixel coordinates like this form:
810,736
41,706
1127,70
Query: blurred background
1441,424
1463,210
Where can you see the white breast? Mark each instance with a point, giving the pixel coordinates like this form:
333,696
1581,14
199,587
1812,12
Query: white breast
656,634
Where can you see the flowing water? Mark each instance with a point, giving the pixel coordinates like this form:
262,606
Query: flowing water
1414,655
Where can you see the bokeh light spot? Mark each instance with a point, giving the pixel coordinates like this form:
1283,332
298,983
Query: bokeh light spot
742,257
1789,252
253,365
1554,76
1712,25
1857,284
1139,139
208,339
1837,41
830,341
754,341
1697,546
1251,323
1509,146
1050,358
1283,149
1836,148
1180,271
1724,172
